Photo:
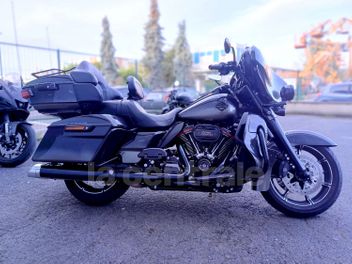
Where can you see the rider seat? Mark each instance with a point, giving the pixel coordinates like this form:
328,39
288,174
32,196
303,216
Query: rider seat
136,115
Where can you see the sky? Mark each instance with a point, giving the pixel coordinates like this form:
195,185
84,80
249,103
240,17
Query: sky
271,25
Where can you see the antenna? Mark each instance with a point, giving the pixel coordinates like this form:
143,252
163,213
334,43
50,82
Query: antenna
16,38
49,46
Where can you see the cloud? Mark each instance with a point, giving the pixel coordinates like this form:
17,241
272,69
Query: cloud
274,25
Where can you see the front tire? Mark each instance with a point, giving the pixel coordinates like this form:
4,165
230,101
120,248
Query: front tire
317,195
21,149
96,194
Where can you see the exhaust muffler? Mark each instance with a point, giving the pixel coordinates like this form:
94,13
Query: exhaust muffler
53,172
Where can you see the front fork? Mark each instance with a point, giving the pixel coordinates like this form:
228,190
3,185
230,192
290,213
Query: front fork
282,142
7,128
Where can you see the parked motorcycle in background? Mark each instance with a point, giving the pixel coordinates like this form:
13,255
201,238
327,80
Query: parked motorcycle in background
177,99
17,137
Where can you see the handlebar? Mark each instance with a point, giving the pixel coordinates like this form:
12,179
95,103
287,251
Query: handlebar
216,67
223,68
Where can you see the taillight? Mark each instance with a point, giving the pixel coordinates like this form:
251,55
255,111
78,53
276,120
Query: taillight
166,97
26,93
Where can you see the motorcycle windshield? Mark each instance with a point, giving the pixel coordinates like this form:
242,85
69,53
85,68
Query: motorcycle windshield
275,85
272,82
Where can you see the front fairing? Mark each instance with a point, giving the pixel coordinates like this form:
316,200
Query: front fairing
267,82
10,96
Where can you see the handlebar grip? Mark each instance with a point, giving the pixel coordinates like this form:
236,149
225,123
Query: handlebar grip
215,67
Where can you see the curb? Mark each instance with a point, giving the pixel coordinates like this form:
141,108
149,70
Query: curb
320,109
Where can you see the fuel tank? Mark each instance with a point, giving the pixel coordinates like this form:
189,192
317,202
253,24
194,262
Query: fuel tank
213,108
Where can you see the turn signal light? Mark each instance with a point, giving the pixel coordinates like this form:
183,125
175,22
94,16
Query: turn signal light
26,93
78,128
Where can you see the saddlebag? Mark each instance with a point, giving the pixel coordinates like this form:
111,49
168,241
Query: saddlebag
70,94
90,138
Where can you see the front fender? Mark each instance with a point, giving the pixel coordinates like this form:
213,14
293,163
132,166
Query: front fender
13,126
17,114
308,138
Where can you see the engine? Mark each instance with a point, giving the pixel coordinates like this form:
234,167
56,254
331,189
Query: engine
207,144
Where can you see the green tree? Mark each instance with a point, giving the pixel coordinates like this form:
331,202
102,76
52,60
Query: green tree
153,47
168,67
107,53
71,66
125,72
183,58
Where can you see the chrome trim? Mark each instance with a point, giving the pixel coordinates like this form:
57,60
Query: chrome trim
187,165
34,172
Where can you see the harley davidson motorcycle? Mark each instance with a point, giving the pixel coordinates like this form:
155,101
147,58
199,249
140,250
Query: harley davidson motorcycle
225,139
17,137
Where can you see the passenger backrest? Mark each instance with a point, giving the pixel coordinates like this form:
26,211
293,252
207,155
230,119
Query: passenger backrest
108,92
135,89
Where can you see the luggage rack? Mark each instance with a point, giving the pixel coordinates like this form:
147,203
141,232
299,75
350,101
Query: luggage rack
51,72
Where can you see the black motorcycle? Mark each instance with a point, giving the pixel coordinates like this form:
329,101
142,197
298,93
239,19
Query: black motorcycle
17,137
221,141
177,99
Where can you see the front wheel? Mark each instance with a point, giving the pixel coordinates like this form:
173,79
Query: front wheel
96,193
312,197
20,147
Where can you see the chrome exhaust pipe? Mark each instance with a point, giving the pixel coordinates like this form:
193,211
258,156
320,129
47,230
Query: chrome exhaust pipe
34,172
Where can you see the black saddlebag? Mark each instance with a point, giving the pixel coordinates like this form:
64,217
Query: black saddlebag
75,93
91,138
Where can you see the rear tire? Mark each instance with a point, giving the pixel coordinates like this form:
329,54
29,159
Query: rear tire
315,204
94,196
26,131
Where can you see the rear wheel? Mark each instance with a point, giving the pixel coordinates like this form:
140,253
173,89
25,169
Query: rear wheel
96,193
312,197
20,147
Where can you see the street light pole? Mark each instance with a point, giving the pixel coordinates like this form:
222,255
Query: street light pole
1,71
16,37
349,44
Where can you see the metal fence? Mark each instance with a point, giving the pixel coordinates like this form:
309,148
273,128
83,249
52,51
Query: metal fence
22,60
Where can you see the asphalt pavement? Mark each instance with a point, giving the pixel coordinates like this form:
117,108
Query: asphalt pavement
40,222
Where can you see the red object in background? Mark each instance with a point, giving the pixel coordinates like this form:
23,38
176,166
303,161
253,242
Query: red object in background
166,97
26,94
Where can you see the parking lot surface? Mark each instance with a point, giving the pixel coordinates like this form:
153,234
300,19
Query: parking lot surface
40,222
